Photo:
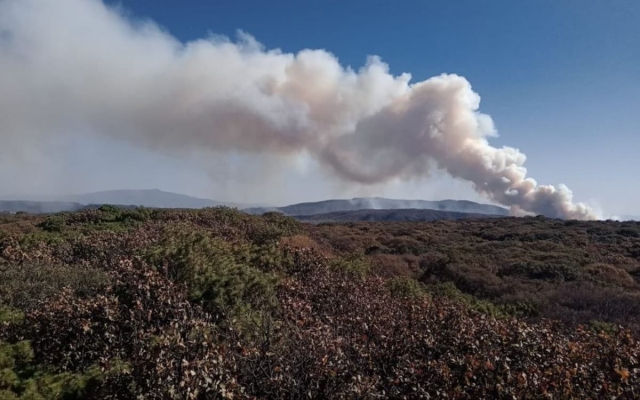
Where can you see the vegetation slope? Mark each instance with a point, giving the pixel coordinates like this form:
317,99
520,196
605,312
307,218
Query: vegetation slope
124,304
399,215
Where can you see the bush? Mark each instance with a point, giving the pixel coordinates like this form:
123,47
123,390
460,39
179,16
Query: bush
450,291
109,209
10,315
557,271
53,223
406,287
608,275
21,379
24,286
354,265
214,273
604,327
271,227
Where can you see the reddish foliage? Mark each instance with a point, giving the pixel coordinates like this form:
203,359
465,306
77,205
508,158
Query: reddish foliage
333,335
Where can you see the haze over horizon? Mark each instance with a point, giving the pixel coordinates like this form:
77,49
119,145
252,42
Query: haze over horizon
67,134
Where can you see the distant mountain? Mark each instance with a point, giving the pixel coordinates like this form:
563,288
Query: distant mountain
152,198
147,198
630,218
414,215
37,207
379,203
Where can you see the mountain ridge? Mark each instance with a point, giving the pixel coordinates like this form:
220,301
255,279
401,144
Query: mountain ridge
38,207
395,215
153,198
381,203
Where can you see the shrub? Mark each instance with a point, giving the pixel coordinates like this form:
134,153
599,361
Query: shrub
354,265
406,287
550,271
271,227
109,209
608,275
214,273
390,265
10,315
32,240
629,232
139,214
300,241
24,286
21,379
54,223
604,327
328,327
450,291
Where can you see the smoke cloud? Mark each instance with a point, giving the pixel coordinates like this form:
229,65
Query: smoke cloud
78,66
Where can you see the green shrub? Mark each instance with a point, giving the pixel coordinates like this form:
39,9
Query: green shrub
140,214
269,258
216,273
10,315
121,217
521,309
54,223
24,286
449,290
354,264
401,286
604,327
271,227
548,271
21,378
30,240
109,209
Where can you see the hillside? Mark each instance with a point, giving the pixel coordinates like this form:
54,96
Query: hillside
152,198
215,303
327,206
37,207
414,215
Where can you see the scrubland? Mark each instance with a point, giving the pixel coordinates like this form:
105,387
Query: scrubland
214,303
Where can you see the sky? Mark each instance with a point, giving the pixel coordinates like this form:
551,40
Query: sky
560,79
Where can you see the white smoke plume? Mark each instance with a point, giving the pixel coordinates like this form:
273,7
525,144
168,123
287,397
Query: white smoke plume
73,66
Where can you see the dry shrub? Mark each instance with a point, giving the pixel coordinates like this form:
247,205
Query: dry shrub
609,275
23,286
169,345
389,265
337,331
494,259
302,241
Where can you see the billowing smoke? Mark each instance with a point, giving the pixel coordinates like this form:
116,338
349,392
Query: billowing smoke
79,66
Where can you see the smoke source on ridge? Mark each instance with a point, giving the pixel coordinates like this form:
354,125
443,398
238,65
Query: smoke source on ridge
78,66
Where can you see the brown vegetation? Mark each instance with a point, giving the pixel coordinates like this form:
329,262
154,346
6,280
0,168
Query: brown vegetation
580,272
212,304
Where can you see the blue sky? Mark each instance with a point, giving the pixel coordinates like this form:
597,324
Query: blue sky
561,80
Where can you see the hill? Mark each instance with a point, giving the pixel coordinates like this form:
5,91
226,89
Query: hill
414,215
216,303
370,203
37,207
152,198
